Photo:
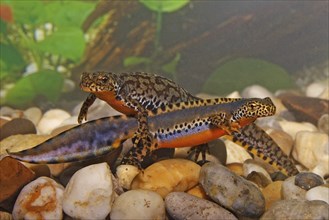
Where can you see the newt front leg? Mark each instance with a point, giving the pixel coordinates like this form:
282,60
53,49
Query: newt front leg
85,106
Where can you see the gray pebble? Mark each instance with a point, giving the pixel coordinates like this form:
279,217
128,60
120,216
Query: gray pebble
297,209
181,206
290,191
308,180
233,192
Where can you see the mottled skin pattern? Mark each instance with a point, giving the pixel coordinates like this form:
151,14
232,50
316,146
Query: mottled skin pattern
132,93
167,126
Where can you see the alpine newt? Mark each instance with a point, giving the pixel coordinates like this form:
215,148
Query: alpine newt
175,125
136,93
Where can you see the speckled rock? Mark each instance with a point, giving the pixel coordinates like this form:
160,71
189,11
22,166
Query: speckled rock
235,153
13,176
290,191
51,119
126,174
292,128
138,204
308,180
182,206
89,193
40,199
311,150
272,193
318,193
168,176
17,126
231,191
297,209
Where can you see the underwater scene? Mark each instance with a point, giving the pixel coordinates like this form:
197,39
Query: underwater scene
164,109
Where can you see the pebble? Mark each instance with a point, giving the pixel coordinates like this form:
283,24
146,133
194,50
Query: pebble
233,192
182,206
256,91
89,193
17,126
272,193
284,140
40,199
235,153
3,120
13,176
34,114
237,168
249,167
168,176
297,209
311,150
308,180
258,178
52,119
291,191
138,204
5,216
316,89
318,193
126,174
323,123
292,128
197,191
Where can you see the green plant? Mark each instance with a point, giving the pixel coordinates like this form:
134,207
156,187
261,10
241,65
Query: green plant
46,36
159,7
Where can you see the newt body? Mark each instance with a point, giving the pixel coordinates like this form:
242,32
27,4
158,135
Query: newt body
207,120
133,93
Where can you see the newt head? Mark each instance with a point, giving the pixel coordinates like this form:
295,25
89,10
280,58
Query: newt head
97,82
252,109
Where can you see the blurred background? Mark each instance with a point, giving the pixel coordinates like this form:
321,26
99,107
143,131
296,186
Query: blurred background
213,47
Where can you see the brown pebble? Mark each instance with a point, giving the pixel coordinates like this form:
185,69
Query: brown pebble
17,126
308,180
272,193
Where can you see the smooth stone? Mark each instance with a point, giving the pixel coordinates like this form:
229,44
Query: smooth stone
52,119
40,199
3,121
21,142
272,193
138,204
168,176
17,126
249,167
308,180
5,216
233,192
311,150
322,156
89,193
316,89
284,140
258,178
256,91
297,209
182,206
291,191
34,114
235,153
13,176
292,128
40,170
197,191
318,193
237,168
126,174
323,123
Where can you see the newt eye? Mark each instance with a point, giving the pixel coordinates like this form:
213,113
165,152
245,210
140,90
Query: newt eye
104,79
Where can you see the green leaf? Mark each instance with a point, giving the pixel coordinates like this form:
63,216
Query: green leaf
172,65
11,59
135,60
164,5
45,83
68,42
3,27
240,73
28,12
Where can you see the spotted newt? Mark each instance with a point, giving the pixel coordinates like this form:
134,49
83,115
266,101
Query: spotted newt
175,125
134,93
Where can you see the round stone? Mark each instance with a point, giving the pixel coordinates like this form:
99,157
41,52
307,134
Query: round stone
308,180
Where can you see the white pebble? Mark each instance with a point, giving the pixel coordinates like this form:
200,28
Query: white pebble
126,174
290,191
315,89
33,114
89,193
138,204
318,193
52,119
235,153
310,149
292,128
256,91
40,199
